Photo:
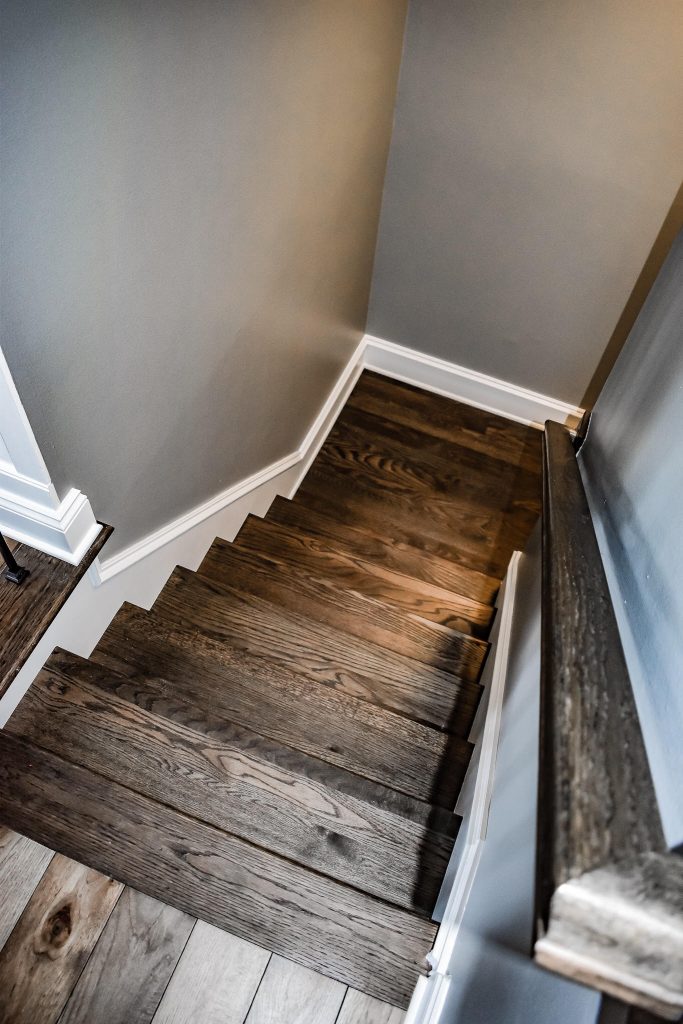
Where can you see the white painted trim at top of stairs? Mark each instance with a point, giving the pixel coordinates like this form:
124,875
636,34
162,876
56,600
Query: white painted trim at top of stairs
468,386
30,509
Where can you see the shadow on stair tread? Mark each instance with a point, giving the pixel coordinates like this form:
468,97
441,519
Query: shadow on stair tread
278,798
263,696
210,874
311,555
308,596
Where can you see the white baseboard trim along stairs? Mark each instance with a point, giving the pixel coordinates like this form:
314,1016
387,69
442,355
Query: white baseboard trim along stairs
138,573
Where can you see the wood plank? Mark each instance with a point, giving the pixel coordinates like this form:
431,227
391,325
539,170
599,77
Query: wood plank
131,964
238,781
57,931
215,981
358,1008
459,424
373,548
473,538
204,872
264,628
300,593
22,865
262,696
27,610
291,994
311,556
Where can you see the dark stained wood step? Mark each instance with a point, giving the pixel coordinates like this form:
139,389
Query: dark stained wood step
372,546
478,540
27,610
273,796
258,625
312,556
471,428
289,586
202,871
265,697
403,460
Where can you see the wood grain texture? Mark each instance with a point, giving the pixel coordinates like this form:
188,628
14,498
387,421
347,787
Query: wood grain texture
215,981
309,595
53,938
608,888
353,734
347,935
474,429
27,610
312,556
241,782
358,1008
22,865
290,993
370,545
131,964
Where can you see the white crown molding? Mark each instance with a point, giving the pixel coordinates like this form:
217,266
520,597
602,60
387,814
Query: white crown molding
468,386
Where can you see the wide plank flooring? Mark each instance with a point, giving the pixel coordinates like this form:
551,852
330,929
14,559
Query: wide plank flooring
276,747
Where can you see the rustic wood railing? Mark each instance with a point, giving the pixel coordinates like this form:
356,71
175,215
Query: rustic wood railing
609,891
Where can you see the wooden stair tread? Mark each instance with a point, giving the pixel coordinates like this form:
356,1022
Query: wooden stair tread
310,596
373,548
263,696
477,539
246,785
313,556
26,610
219,878
254,624
468,427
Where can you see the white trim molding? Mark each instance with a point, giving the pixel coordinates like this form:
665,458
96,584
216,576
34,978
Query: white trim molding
468,386
473,805
30,509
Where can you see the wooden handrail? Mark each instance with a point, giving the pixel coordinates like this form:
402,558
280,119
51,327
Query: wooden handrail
609,891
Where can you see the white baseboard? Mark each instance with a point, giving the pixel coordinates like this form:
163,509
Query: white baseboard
473,804
468,386
138,572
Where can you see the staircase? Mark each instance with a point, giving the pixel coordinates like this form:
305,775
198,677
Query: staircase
277,746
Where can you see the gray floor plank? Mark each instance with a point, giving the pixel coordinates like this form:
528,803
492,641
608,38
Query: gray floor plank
291,994
215,981
22,865
52,940
358,1008
131,964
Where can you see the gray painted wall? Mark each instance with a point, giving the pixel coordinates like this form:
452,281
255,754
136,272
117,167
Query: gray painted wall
536,151
632,463
493,979
190,200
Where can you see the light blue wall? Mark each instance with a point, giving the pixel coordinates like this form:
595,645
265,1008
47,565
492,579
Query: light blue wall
632,463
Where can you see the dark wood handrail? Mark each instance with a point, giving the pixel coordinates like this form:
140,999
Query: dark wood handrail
609,891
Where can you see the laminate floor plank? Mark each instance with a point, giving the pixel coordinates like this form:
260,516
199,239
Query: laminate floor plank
381,625
215,981
240,782
312,557
56,933
22,865
475,429
125,977
372,546
211,875
358,1008
291,994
